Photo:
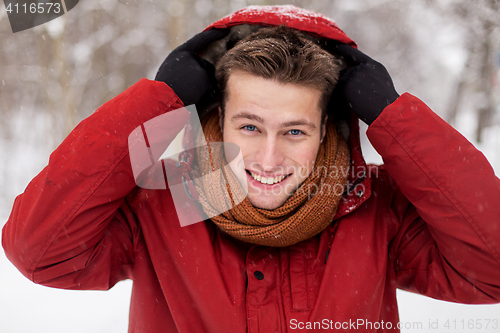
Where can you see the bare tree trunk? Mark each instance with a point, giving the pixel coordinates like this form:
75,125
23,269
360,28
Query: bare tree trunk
457,97
64,78
487,106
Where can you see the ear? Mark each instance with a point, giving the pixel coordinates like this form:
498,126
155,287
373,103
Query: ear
323,129
221,124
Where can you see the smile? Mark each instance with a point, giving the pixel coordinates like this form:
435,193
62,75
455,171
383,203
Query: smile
267,180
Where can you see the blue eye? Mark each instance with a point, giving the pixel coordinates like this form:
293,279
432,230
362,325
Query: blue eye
295,132
250,128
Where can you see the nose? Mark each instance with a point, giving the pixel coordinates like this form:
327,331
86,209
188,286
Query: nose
270,155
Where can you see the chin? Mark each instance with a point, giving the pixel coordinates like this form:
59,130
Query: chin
266,203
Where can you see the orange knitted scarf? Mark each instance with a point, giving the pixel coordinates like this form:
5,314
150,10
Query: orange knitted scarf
307,212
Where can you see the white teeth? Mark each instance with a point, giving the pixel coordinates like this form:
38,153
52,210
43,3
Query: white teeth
267,180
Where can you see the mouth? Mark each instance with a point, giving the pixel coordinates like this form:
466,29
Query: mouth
267,180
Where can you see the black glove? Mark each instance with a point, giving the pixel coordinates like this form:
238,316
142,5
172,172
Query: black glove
190,76
366,87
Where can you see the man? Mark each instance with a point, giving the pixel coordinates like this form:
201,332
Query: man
286,258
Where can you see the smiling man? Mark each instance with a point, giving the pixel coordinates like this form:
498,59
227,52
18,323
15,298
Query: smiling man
276,86
321,242
278,128
274,109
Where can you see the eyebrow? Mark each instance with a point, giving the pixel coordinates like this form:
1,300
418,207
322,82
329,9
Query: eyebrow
246,115
251,116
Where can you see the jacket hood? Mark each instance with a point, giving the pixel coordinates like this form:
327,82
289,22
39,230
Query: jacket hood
317,27
293,17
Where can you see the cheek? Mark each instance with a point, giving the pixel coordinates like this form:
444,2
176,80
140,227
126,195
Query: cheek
306,157
231,135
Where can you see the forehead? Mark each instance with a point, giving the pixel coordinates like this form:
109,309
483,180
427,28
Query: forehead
271,100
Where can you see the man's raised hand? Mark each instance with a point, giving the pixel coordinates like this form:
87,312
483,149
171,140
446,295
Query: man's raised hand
190,76
365,86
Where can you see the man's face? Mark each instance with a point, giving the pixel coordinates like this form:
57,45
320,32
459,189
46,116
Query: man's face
278,128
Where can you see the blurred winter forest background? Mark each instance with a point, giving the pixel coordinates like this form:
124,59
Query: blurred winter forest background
446,52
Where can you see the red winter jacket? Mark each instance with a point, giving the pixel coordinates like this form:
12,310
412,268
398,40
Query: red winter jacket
426,221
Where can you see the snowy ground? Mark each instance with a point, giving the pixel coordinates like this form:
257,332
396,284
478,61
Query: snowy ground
28,308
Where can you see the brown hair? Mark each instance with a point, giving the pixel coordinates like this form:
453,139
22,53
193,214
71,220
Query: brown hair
282,54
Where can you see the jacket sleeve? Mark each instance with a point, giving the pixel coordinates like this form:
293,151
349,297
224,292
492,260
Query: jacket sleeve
72,227
448,243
